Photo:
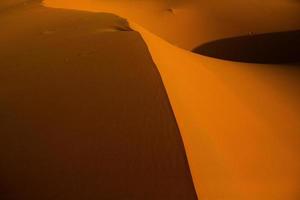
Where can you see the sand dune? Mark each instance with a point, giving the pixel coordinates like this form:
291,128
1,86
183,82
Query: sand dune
239,121
83,111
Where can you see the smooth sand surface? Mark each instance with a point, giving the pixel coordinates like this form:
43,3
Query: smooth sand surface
239,122
83,111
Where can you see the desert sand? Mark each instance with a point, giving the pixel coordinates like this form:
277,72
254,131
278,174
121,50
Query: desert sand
237,111
84,113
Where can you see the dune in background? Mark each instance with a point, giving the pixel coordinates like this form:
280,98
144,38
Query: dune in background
190,23
239,122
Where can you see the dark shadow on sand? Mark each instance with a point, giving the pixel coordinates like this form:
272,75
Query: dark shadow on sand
268,48
6,5
84,114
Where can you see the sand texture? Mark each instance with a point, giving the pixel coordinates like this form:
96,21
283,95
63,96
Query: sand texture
84,114
150,99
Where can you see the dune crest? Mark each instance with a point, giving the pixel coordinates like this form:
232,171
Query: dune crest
230,117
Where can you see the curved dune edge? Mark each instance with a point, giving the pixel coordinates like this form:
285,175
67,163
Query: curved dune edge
239,122
208,108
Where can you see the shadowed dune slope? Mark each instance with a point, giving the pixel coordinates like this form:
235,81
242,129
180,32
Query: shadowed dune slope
282,47
83,111
8,4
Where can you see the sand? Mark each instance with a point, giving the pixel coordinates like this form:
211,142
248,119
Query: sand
84,114
239,121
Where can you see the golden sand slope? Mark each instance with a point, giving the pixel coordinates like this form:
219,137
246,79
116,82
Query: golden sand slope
189,23
239,122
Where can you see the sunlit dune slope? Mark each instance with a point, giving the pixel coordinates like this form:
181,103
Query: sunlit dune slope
83,111
190,23
239,122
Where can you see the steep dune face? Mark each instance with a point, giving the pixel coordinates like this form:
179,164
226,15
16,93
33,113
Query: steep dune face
190,23
239,122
